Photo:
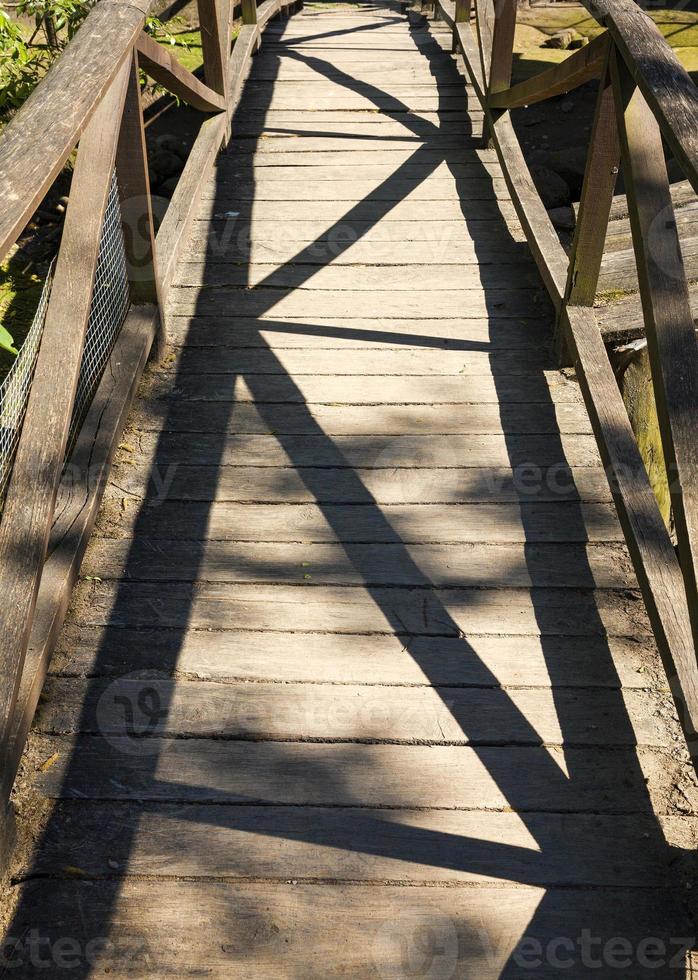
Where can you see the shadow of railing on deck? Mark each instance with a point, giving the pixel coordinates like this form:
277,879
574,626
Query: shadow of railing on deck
562,911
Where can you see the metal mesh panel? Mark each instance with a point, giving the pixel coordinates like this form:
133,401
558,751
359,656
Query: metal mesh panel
110,301
14,391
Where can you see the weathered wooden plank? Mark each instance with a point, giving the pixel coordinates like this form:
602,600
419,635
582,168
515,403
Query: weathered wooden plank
482,251
275,121
349,213
624,319
485,523
540,388
502,301
31,494
683,198
398,153
400,363
319,608
569,661
619,268
263,929
229,332
212,274
411,452
359,420
356,845
415,715
392,188
343,167
433,146
212,771
452,98
390,72
462,565
322,87
319,47
436,236
176,481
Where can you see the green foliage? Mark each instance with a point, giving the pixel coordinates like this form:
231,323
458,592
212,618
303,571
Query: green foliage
25,57
64,16
7,341
20,64
20,292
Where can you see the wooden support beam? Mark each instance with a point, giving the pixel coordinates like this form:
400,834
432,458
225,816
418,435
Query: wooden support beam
161,65
671,336
136,204
580,67
31,496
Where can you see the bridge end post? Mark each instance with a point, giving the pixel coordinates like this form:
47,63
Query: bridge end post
462,16
215,24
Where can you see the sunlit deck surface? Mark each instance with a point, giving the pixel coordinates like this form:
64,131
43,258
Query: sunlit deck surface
358,681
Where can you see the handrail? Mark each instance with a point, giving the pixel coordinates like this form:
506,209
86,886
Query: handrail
658,73
580,67
91,99
644,95
59,109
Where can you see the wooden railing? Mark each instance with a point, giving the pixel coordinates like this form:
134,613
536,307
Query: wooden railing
645,97
91,99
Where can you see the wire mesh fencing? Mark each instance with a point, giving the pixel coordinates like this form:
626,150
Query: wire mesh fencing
110,302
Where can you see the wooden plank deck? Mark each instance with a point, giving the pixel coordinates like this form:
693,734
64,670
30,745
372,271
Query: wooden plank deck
357,681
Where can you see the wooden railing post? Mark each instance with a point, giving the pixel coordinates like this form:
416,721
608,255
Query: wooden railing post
500,61
600,178
136,205
249,11
462,16
215,24
666,306
502,44
31,496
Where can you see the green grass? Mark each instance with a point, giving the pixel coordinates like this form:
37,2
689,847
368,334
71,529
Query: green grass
679,27
187,50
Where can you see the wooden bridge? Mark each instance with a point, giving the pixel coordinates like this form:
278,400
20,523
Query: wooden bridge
369,668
